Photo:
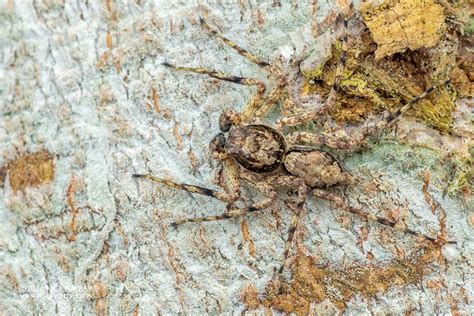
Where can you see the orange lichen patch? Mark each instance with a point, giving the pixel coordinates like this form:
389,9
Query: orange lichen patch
428,198
31,170
156,103
71,191
313,283
246,235
249,297
108,40
99,290
177,136
404,24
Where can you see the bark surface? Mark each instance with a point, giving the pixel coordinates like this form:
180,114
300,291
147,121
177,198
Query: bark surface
85,103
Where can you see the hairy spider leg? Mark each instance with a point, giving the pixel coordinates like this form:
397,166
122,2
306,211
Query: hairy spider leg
223,196
255,109
231,179
264,187
330,101
298,209
243,52
220,75
258,105
348,141
254,103
269,101
340,203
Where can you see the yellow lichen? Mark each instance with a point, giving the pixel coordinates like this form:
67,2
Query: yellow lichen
314,74
437,110
462,173
369,87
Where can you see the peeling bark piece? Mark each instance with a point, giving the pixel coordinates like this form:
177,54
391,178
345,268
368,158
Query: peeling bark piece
398,25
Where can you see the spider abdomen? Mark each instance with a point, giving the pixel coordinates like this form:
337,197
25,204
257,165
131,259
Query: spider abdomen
258,148
317,168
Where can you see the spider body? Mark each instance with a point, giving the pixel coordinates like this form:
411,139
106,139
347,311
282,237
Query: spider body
262,149
317,168
264,157
258,148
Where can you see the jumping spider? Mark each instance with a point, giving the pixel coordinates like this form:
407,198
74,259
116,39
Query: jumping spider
261,155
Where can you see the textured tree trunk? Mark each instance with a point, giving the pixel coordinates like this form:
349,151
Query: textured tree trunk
85,103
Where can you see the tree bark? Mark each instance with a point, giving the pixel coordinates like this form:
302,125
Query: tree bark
86,103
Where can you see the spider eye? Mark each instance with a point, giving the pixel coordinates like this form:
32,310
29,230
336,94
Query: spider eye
217,144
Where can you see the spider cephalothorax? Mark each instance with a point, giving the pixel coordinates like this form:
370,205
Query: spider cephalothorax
261,155
258,148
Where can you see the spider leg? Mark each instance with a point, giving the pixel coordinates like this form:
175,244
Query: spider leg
220,75
222,196
349,141
231,179
297,205
254,103
340,203
298,209
259,110
258,105
254,109
306,116
249,56
264,187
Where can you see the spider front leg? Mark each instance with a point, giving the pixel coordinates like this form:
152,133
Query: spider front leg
340,203
231,183
264,187
258,104
348,139
254,103
272,70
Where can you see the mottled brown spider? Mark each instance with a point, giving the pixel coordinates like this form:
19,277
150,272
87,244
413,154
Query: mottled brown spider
261,155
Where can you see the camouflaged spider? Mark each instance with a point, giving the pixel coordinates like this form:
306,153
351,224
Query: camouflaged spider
261,155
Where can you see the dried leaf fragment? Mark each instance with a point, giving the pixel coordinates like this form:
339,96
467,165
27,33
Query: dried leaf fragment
401,24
